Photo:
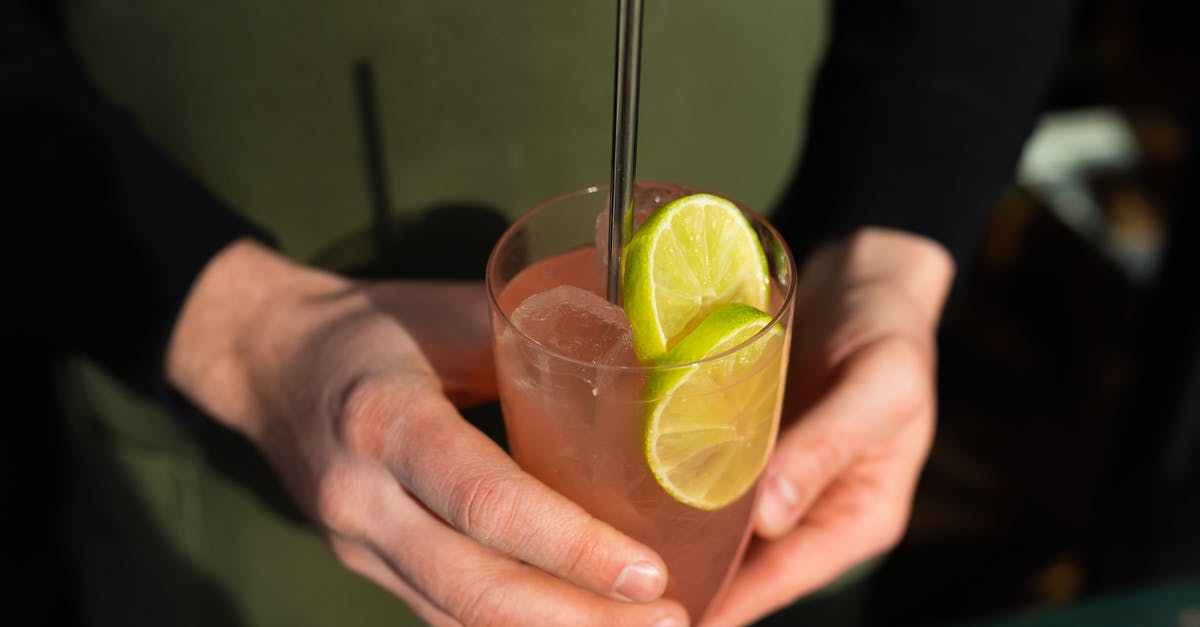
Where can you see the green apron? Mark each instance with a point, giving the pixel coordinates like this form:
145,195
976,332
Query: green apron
341,127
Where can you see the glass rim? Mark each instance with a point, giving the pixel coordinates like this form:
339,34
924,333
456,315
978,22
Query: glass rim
786,305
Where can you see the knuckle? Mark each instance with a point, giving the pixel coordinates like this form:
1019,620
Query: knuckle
371,409
483,603
906,365
826,455
333,501
897,374
812,464
481,506
582,554
363,415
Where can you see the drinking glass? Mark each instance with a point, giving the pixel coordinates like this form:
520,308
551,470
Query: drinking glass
576,422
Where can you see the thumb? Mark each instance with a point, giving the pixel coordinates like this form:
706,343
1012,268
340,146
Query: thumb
878,387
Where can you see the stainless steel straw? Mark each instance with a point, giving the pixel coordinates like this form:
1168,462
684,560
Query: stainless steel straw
624,145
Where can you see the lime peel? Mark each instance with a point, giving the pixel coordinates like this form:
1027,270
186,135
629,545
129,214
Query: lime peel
695,280
691,256
711,424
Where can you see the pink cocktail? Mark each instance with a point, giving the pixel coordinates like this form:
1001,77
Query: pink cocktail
574,395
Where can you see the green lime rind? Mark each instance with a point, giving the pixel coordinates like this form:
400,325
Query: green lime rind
691,256
709,426
723,329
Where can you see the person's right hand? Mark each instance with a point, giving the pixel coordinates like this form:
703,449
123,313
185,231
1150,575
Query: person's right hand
343,387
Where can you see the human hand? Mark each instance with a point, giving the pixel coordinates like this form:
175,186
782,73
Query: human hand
343,387
858,418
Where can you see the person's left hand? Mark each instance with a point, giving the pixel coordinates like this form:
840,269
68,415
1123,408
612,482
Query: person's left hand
858,418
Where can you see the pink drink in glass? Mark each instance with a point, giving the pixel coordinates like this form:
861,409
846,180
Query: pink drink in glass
572,390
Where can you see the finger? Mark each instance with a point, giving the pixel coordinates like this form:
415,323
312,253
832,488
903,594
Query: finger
365,562
881,385
477,585
468,481
862,515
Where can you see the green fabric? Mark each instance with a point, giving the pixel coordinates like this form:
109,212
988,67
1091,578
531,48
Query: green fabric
181,523
500,104
481,104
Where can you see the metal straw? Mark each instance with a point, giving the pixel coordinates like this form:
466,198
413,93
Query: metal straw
624,146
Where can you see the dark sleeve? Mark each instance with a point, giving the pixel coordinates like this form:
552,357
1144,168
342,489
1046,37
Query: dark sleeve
920,112
103,235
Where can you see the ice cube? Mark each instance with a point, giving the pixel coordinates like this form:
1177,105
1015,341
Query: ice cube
578,324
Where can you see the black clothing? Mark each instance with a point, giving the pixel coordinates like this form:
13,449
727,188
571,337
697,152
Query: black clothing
919,115
105,235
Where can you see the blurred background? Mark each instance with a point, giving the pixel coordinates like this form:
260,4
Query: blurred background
1064,487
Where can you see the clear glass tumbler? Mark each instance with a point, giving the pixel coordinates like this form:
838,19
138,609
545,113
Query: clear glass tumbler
576,420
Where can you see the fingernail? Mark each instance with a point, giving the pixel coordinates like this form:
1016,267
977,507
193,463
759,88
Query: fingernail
778,504
640,581
668,621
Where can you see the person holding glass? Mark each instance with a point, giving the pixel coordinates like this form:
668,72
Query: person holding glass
194,182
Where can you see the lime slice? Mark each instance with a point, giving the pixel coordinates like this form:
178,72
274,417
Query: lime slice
710,425
691,256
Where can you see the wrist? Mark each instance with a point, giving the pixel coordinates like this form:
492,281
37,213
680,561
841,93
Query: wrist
915,267
223,338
